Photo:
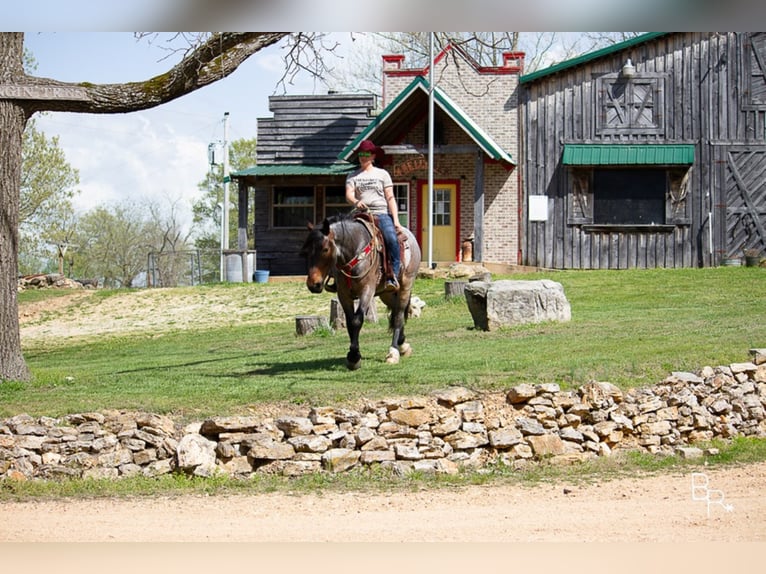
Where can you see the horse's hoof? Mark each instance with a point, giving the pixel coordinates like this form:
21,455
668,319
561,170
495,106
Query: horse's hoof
405,349
353,366
393,356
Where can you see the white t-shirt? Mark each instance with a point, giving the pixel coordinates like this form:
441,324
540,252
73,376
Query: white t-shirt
369,186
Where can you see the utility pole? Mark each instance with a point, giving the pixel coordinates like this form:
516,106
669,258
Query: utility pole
225,210
431,151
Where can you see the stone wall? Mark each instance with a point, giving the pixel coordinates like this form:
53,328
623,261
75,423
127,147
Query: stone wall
440,433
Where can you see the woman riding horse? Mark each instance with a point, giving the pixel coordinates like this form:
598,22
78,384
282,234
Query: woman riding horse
345,249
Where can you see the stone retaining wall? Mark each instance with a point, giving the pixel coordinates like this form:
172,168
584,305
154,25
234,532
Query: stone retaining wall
451,428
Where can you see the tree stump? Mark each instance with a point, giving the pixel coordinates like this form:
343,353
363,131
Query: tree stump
454,289
338,317
306,324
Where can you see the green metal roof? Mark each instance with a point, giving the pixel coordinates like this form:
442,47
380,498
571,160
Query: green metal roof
482,138
620,154
590,56
294,169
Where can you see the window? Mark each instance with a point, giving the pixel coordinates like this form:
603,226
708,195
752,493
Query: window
629,196
442,207
292,206
633,106
755,72
335,200
402,195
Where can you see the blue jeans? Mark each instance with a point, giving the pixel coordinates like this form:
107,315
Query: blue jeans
386,224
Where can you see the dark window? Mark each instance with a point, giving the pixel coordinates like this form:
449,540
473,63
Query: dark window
335,200
293,206
629,196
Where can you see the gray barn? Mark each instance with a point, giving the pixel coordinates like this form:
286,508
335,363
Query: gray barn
649,153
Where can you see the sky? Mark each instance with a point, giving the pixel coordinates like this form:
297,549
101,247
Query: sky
159,153
162,152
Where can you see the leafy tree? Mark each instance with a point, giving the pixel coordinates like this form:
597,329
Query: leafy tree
217,56
113,244
207,210
45,208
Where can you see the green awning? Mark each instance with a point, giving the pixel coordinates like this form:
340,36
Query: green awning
295,169
617,154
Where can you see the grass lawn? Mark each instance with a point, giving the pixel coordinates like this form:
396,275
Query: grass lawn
629,327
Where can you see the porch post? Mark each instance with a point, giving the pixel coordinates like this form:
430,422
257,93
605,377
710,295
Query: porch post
243,204
478,208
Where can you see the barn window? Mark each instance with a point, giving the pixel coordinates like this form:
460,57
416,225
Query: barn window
628,184
755,72
632,106
629,196
292,206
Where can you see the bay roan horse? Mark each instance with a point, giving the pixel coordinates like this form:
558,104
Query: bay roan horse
345,248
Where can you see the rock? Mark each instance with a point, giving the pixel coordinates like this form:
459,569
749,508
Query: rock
340,459
294,426
505,438
546,445
218,425
453,395
515,302
521,393
195,450
411,417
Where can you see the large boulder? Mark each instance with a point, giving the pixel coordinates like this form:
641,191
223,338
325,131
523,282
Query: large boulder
515,302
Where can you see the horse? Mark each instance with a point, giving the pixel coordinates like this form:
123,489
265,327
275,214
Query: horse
345,248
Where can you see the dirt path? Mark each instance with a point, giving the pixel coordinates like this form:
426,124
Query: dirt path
650,509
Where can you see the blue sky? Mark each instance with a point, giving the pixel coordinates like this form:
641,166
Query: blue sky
160,152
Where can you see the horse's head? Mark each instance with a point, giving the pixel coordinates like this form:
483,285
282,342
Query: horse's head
320,253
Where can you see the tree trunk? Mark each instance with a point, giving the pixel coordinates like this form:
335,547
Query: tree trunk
209,62
12,122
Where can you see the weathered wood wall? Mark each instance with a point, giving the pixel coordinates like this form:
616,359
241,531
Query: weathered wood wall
707,102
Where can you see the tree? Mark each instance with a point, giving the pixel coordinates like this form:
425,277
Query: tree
207,210
45,209
22,95
363,70
114,241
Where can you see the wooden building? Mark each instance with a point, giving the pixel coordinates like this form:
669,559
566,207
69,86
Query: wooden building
649,153
298,177
306,150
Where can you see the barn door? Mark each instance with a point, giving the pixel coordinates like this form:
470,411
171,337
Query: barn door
745,199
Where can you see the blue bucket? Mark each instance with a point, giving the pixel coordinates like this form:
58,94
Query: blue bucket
261,276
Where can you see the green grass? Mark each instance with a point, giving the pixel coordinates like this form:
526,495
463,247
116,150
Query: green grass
629,327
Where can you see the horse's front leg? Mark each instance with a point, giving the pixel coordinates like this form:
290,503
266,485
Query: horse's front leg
354,322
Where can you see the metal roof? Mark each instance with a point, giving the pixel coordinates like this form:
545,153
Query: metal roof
294,169
620,154
409,107
566,64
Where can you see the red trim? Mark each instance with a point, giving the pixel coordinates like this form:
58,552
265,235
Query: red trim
506,68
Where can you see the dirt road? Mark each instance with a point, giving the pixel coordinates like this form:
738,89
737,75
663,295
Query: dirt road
650,509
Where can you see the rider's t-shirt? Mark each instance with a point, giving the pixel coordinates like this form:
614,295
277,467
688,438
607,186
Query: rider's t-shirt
369,187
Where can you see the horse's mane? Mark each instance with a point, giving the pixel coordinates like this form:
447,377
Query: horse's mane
337,218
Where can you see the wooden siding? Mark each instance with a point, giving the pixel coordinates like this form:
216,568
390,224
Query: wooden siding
311,130
704,80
